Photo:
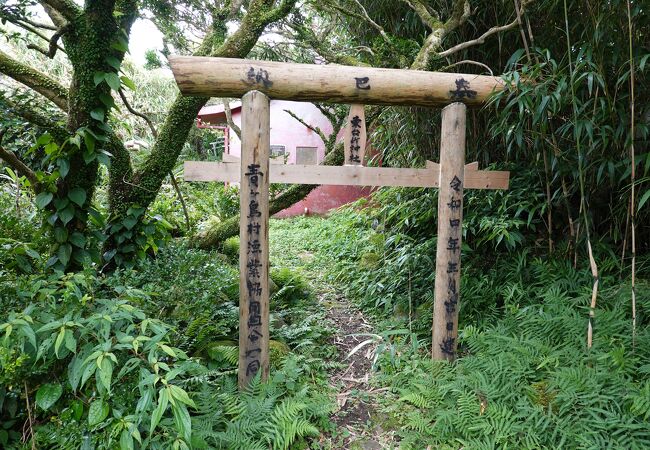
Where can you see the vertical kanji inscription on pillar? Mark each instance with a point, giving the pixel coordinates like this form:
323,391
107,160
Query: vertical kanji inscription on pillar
450,219
254,239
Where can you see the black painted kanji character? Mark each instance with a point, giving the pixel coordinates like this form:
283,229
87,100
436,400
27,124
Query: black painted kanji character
252,368
254,174
254,288
254,227
454,223
452,267
452,244
254,335
455,184
253,209
254,268
455,203
254,247
447,346
362,83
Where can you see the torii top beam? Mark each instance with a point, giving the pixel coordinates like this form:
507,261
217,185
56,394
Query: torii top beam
227,77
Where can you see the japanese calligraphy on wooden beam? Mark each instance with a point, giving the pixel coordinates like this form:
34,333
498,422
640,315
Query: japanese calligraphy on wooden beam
347,175
254,239
226,77
355,136
450,232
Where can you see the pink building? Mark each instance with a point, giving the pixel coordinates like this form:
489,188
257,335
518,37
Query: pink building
289,138
293,142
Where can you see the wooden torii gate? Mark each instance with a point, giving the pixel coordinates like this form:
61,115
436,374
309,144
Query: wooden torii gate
257,81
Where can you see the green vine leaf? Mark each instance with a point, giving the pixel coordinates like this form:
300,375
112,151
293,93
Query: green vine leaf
64,253
97,412
97,114
48,394
128,83
43,199
98,77
113,62
113,81
77,195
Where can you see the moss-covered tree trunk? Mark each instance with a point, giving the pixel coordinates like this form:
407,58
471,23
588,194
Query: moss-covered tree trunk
134,190
219,232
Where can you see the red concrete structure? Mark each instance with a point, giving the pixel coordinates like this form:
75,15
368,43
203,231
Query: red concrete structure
291,143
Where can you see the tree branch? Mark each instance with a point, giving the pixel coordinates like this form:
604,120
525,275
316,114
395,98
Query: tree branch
66,8
313,128
139,114
231,123
363,16
433,41
10,158
479,40
429,20
468,61
34,80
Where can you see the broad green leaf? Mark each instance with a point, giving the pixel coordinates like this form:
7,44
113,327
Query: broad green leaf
48,394
113,81
59,340
98,77
130,222
66,214
126,440
77,195
60,234
163,399
183,421
64,252
126,81
180,395
64,167
74,372
78,239
43,199
167,350
107,100
97,114
70,341
105,373
113,62
97,412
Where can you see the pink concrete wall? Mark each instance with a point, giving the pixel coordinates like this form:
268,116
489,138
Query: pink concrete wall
325,198
287,131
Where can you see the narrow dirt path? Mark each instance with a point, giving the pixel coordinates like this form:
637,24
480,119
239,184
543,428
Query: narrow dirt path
357,424
355,418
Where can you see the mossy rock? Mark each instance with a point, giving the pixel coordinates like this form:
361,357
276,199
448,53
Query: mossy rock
278,351
370,260
231,248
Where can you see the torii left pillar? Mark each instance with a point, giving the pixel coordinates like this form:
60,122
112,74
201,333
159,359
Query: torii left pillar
254,239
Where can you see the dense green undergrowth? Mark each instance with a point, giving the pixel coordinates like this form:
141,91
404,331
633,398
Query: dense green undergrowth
525,378
146,357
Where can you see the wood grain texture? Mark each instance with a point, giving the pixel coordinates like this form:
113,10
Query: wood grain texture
254,239
355,137
227,77
450,216
346,175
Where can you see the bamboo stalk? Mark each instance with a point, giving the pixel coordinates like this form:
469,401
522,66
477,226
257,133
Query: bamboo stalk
632,174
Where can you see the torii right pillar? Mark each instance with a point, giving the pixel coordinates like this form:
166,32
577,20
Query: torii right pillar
450,232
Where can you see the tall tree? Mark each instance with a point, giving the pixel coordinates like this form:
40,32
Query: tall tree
94,38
